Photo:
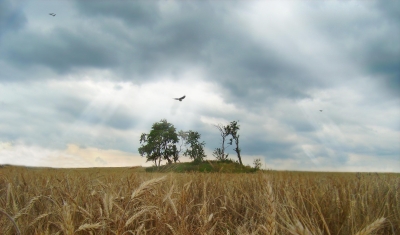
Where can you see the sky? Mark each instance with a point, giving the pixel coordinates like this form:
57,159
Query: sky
79,88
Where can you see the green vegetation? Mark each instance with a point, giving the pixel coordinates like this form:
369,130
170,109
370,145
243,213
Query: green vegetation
224,166
161,144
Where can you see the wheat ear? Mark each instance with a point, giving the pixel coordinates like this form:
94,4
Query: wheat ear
372,227
88,227
146,186
171,228
298,229
133,217
39,218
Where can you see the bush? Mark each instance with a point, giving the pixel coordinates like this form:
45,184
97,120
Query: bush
257,164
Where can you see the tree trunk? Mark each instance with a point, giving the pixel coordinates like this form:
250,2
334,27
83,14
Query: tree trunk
238,150
223,148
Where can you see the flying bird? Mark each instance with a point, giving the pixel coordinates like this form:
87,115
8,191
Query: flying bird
180,99
52,14
320,110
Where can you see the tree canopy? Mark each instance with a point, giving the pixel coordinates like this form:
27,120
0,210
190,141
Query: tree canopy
195,149
160,143
164,143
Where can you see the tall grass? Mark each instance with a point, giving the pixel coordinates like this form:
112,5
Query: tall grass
121,201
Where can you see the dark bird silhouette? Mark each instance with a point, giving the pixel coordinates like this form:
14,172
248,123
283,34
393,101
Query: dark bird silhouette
52,14
180,99
320,110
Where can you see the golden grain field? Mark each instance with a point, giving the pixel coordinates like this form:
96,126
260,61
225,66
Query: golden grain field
124,201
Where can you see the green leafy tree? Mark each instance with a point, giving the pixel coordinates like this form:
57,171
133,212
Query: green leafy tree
160,143
196,148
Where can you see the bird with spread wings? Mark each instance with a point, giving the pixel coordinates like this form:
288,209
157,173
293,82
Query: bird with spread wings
52,14
180,99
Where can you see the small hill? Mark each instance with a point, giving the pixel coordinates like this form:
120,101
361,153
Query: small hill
227,166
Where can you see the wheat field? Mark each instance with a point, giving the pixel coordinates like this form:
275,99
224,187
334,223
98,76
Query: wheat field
125,201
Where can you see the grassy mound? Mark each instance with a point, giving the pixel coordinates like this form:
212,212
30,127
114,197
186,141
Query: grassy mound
227,166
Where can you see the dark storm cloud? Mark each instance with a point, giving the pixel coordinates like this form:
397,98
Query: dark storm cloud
175,43
11,18
390,9
144,45
252,73
133,13
256,75
370,38
61,50
271,149
300,125
153,42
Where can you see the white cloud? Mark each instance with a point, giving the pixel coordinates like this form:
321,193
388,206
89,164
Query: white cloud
71,157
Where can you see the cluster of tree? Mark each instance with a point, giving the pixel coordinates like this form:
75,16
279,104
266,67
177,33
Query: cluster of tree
164,143
161,144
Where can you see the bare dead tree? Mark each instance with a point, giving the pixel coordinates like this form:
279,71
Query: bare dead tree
219,153
233,131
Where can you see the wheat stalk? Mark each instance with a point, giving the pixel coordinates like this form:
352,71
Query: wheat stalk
107,202
168,198
11,219
66,215
271,211
10,199
211,231
130,232
372,227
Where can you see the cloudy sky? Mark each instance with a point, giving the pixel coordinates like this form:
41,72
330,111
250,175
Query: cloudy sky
78,89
